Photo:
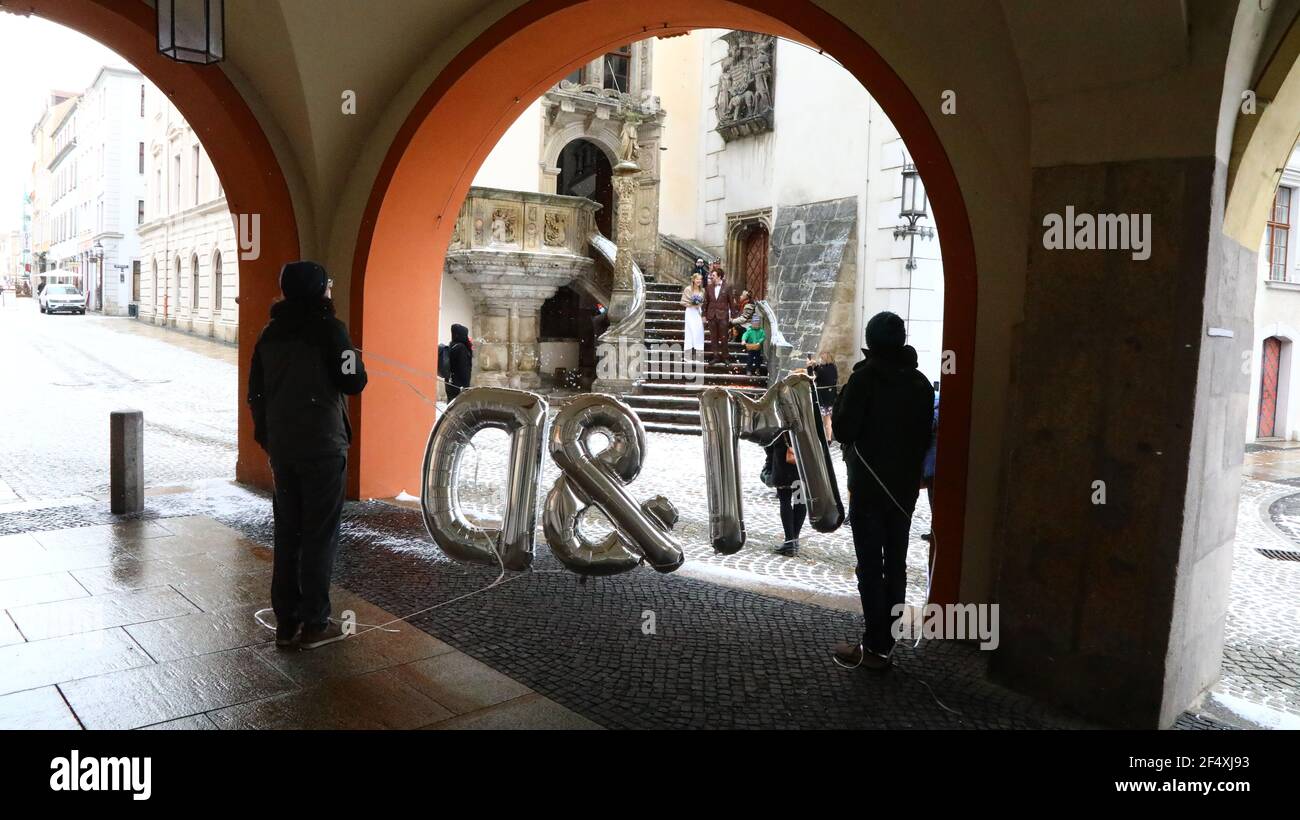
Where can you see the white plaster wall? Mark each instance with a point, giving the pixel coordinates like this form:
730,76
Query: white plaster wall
454,308
514,163
1277,313
677,77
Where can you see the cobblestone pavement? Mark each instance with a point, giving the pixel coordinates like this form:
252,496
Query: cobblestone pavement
64,375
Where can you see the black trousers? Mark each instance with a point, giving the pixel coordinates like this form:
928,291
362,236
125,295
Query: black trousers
880,539
792,515
753,360
308,503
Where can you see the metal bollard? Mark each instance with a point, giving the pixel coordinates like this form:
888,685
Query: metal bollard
126,461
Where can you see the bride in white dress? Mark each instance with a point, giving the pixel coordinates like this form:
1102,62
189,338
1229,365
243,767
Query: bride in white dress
693,302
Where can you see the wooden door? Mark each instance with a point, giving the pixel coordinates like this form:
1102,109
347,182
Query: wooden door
1268,387
756,262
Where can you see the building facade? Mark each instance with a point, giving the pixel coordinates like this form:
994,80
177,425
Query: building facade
755,151
1274,375
788,171
92,176
188,274
42,226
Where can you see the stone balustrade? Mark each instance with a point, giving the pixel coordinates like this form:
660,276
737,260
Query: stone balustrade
511,251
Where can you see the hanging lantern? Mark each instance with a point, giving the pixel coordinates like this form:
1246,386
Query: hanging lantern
915,201
192,31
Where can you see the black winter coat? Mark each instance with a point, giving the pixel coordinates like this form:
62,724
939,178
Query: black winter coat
883,415
783,473
303,366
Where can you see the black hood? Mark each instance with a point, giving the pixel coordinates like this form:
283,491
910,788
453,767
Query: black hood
290,314
890,363
460,334
303,280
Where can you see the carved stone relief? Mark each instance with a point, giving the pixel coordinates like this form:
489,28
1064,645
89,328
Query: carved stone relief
555,232
744,104
504,222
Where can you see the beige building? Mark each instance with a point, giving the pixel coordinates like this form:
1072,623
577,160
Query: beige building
43,227
189,271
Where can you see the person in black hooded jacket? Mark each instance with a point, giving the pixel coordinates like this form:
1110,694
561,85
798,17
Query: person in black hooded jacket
461,353
304,365
882,422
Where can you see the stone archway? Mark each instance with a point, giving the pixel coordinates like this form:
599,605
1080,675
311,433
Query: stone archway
429,167
585,170
252,177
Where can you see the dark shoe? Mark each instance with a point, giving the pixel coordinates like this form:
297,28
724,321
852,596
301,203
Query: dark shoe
852,656
313,637
286,632
788,550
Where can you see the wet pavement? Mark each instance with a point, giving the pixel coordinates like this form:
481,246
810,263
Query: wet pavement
64,374
739,641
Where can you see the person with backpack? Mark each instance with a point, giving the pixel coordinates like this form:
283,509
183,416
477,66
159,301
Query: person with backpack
456,361
882,421
304,366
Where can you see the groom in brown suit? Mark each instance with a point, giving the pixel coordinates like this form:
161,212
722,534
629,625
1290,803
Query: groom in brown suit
719,307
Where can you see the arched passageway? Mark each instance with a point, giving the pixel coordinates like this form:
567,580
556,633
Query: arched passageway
585,171
251,176
447,135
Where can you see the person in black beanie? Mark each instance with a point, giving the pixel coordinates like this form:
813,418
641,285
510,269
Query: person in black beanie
304,365
882,422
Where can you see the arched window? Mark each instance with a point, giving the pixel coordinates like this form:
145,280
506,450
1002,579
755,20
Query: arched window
216,282
194,282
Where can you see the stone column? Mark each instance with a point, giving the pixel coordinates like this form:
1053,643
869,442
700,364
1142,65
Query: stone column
620,352
506,350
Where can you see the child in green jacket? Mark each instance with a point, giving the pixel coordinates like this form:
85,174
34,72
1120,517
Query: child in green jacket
753,341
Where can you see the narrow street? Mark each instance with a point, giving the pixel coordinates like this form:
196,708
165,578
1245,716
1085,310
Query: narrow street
65,373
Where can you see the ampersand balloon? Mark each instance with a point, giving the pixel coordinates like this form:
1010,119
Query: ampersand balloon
727,416
523,416
641,531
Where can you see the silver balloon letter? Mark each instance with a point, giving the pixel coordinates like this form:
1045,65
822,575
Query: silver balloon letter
729,415
640,530
523,416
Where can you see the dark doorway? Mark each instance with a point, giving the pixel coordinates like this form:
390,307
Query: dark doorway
571,316
1268,387
585,171
755,262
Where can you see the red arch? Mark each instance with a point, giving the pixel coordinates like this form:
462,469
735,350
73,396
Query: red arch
250,173
453,127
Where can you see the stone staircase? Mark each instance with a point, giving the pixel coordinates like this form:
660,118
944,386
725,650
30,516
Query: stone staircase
667,398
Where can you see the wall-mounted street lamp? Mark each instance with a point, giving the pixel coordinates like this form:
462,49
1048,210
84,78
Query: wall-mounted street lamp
913,209
192,31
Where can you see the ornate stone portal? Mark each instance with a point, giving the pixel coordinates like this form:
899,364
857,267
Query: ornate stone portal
744,103
610,120
512,251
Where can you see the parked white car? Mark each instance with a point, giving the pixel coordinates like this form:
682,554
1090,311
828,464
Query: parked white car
62,299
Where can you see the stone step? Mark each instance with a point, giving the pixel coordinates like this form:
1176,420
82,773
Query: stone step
688,404
687,388
709,379
649,415
679,429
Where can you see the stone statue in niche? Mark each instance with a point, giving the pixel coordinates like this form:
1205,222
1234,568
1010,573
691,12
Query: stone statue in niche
554,231
503,226
744,102
628,149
